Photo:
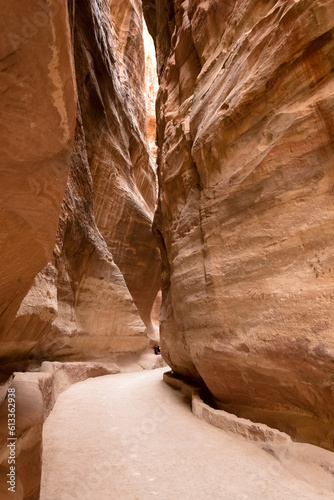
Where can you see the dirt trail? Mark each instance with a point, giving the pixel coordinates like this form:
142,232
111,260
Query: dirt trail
131,437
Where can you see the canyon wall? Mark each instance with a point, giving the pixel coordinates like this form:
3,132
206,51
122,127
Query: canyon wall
37,100
88,290
80,268
245,217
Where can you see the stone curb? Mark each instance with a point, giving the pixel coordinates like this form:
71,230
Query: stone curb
223,420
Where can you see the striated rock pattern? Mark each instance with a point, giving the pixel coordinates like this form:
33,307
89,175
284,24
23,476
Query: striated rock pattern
79,305
111,87
95,295
245,159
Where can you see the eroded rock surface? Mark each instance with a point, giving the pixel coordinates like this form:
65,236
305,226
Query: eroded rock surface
123,174
245,137
95,295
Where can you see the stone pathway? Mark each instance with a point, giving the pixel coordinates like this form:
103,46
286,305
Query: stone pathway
132,437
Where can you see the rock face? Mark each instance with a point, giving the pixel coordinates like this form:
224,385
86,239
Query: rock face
245,137
75,157
124,180
95,294
37,99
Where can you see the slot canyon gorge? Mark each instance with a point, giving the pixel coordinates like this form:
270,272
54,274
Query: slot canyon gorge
167,179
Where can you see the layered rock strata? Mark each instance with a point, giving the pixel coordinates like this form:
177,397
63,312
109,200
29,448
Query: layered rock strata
245,137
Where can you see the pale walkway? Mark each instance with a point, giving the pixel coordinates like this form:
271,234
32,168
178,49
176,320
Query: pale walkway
131,437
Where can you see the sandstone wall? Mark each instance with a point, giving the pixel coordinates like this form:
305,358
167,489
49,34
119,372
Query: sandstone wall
245,137
94,295
37,99
125,193
74,156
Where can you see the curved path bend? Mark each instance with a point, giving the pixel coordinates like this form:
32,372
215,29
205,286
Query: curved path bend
132,437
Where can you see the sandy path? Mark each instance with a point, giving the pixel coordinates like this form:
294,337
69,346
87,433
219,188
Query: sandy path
132,437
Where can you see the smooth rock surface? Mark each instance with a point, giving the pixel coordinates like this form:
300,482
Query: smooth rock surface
245,137
37,99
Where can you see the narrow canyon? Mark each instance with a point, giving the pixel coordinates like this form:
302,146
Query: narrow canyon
166,182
